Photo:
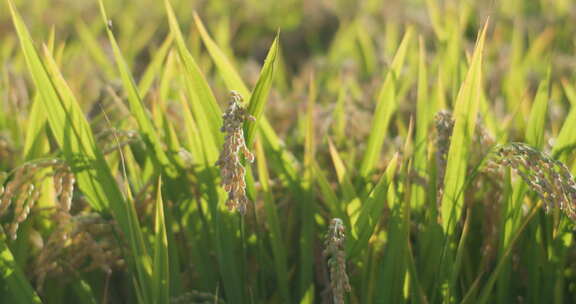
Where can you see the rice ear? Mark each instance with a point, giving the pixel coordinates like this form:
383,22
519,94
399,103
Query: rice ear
232,171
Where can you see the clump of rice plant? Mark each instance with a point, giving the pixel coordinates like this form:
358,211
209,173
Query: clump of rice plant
22,191
231,168
81,242
549,178
334,250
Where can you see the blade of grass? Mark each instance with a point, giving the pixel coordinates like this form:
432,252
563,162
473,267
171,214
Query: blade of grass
392,268
465,113
537,120
329,195
566,138
15,285
386,106
91,44
229,75
351,197
194,143
307,205
202,100
147,131
371,211
486,291
35,139
422,123
570,91
153,68
436,19
278,248
342,173
259,96
161,266
366,48
339,114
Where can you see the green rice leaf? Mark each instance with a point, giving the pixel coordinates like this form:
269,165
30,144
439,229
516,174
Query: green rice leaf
422,126
307,205
465,113
259,96
202,100
537,120
566,138
14,286
371,210
153,69
147,131
385,108
329,195
229,75
342,173
278,247
92,45
366,48
350,195
570,91
160,275
35,139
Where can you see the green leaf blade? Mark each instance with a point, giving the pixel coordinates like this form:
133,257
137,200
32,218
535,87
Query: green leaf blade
160,276
385,108
259,96
137,108
465,114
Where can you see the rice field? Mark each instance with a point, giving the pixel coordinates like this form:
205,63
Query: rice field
294,151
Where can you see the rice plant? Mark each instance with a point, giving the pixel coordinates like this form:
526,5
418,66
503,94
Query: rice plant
287,151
